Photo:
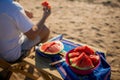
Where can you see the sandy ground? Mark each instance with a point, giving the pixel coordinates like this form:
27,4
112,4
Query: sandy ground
93,22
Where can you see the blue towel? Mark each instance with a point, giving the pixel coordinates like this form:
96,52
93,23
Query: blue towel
102,72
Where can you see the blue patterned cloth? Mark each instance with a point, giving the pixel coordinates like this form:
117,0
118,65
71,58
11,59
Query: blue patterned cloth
102,72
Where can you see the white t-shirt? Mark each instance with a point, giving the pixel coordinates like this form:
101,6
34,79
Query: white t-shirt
13,22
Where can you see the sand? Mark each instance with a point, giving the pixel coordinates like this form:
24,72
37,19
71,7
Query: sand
92,22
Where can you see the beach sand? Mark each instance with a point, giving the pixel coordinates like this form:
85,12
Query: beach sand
92,22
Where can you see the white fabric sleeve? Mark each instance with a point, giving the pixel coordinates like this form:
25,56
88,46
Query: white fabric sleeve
23,23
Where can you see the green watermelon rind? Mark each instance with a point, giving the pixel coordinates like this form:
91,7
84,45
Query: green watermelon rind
80,68
54,52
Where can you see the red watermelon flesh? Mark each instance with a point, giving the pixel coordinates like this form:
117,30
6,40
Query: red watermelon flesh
95,59
73,60
53,47
82,62
73,54
79,49
48,45
89,51
85,49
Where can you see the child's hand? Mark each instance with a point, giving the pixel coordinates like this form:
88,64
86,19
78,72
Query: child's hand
46,9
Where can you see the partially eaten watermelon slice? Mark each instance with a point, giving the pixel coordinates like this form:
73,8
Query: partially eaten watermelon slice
53,47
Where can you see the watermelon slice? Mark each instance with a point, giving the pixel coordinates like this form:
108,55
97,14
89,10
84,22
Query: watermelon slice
89,51
45,4
95,59
52,47
85,49
73,54
82,62
73,60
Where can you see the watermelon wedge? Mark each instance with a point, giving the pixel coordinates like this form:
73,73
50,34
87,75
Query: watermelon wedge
85,49
73,54
95,59
53,47
83,62
45,4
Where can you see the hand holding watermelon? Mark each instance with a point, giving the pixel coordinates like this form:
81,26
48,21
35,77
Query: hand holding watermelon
46,9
